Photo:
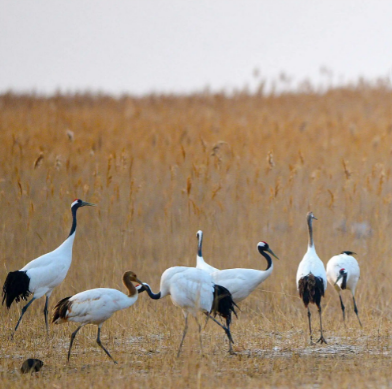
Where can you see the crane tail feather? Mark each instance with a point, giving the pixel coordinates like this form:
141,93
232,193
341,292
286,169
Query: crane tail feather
223,304
61,309
16,287
311,289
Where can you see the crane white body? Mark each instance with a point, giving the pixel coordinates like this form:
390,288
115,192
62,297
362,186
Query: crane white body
343,272
312,264
350,265
194,291
49,270
189,288
242,282
95,306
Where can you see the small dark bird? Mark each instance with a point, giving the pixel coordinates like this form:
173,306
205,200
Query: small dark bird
31,365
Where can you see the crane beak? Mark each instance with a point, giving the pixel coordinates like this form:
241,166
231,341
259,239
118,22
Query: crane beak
84,203
271,252
339,277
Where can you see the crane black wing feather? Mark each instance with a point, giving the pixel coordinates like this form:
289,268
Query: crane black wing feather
16,287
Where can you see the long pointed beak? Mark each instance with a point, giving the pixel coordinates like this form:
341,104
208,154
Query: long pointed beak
339,277
271,252
85,203
314,217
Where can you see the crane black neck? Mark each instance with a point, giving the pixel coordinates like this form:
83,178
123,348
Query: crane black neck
310,227
266,256
199,246
154,296
73,227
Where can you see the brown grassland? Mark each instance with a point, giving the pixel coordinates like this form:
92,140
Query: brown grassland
243,169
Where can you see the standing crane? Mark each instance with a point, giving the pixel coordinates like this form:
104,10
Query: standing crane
242,282
312,279
40,276
95,306
343,273
200,263
193,290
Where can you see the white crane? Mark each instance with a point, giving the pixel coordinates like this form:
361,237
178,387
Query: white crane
200,263
312,279
343,273
95,306
40,276
193,290
242,282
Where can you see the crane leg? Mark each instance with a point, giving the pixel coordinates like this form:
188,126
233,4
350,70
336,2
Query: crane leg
183,335
231,351
101,345
72,340
24,309
321,340
310,326
46,314
227,330
200,340
356,311
343,308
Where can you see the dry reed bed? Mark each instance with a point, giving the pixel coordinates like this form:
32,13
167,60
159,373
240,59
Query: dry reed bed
243,169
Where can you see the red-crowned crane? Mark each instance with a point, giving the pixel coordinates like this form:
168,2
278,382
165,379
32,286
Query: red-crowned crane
312,279
343,273
40,276
241,282
95,306
193,290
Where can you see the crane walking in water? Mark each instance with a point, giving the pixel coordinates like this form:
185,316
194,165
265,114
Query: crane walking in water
95,306
312,279
343,273
40,276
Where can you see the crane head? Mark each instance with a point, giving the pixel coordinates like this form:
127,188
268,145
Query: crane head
263,246
348,252
77,203
132,277
342,273
310,215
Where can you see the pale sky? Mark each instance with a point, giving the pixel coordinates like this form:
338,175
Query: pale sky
144,46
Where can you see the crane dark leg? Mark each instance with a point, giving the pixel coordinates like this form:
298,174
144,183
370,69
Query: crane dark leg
310,326
72,339
100,344
227,330
231,351
46,314
321,340
343,308
24,309
356,311
200,340
183,335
